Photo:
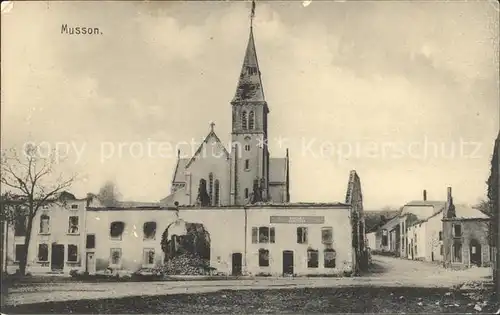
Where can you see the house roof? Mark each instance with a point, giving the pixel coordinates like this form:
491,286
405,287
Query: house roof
127,204
467,212
435,204
421,209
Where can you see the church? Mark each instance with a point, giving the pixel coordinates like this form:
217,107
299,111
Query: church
215,176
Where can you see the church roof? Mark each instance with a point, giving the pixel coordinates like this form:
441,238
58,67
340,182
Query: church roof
249,88
277,170
179,195
179,170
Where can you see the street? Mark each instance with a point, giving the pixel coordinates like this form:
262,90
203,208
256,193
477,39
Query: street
385,272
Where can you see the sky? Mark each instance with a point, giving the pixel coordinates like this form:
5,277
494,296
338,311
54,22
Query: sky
405,93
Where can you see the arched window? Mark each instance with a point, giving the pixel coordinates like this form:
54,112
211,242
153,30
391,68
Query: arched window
251,122
44,224
211,188
246,192
217,193
149,230
203,197
244,120
247,164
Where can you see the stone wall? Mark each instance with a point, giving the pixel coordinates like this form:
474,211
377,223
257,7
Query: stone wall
476,229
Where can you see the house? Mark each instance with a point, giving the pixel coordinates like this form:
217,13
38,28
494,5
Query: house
387,236
465,236
374,220
414,229
296,239
56,237
260,238
455,235
393,236
425,238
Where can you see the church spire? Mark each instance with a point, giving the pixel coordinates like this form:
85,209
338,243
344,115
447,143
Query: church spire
250,85
252,14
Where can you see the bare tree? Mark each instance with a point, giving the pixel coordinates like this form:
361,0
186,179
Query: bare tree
109,195
485,207
32,182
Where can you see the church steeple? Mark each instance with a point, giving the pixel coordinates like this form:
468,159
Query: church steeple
249,87
250,157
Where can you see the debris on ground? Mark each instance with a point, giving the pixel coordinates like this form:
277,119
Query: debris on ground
187,264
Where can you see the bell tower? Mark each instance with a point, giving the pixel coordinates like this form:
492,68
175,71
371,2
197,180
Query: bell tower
249,152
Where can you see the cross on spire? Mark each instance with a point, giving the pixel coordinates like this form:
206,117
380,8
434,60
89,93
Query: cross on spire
252,14
212,125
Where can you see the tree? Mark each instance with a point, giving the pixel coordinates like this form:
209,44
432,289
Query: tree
485,206
32,181
109,195
494,206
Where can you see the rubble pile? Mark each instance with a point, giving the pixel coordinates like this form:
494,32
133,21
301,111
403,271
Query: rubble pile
480,293
187,264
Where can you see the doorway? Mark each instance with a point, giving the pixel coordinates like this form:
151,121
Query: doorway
57,257
90,264
475,253
287,262
237,264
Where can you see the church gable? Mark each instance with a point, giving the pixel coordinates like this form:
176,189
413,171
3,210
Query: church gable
211,147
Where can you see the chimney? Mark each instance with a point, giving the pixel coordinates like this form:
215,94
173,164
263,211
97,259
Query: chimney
450,207
425,195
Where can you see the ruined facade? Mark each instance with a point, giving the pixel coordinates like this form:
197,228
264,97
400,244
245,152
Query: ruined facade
465,236
354,198
256,239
